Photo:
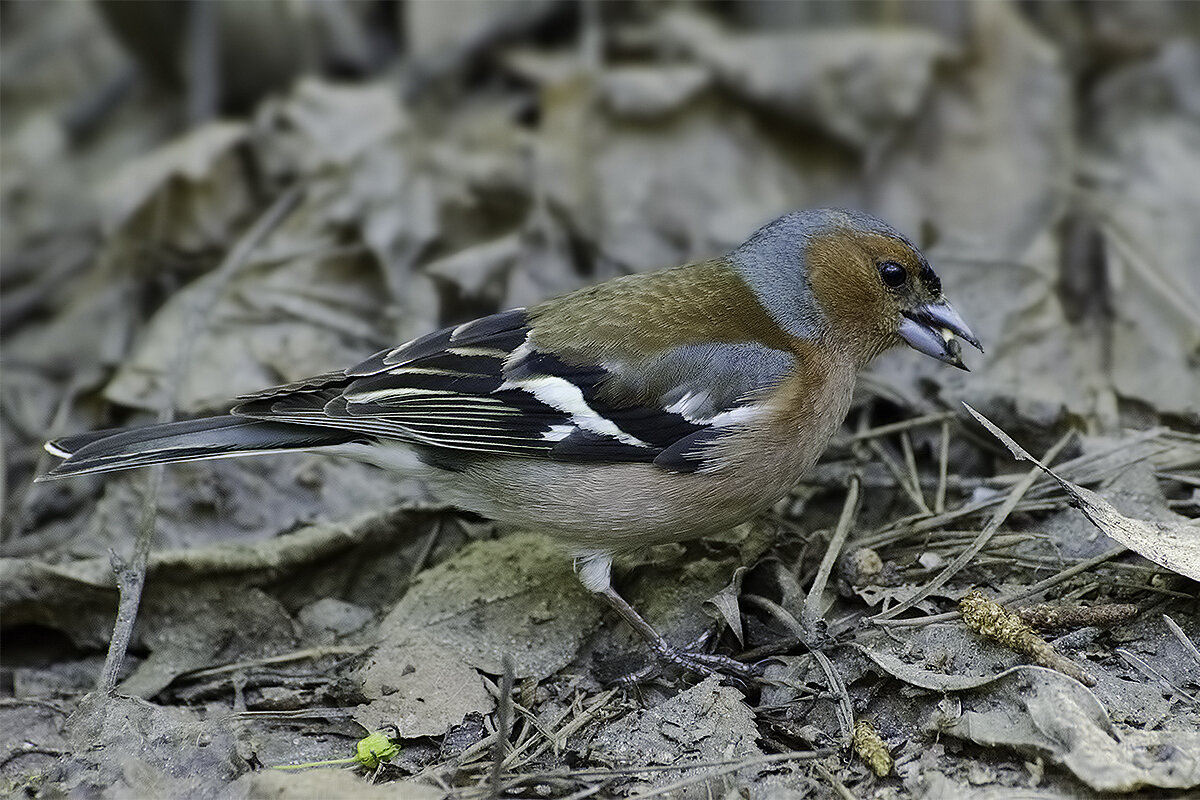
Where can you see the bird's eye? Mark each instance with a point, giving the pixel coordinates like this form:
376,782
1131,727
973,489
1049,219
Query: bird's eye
893,274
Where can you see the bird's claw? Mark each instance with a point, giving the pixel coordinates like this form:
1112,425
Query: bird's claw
708,663
693,659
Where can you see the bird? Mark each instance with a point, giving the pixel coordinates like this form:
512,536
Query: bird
651,408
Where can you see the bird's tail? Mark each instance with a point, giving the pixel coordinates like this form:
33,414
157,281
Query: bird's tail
190,440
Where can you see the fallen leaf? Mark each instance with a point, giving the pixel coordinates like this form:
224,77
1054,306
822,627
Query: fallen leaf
422,687
1033,709
514,596
1174,545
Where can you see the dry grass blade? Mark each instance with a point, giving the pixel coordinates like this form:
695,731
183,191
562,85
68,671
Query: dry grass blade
939,499
1187,643
812,603
993,525
557,738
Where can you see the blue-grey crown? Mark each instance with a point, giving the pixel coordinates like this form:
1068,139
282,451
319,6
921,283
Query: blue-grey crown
772,263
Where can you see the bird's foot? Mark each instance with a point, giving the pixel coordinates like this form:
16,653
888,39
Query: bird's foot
706,664
694,659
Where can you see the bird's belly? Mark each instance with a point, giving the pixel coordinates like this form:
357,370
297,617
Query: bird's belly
616,507
612,506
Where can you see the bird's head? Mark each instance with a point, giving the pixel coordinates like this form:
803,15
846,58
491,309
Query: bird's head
853,281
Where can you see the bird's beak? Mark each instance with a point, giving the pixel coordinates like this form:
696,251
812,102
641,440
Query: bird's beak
932,329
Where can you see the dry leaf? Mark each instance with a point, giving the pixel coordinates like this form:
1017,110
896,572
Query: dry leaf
1174,545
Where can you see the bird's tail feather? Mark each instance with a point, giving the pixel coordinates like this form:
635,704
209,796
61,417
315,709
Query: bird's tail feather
190,440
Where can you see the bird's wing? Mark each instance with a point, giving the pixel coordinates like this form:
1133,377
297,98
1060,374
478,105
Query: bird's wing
485,387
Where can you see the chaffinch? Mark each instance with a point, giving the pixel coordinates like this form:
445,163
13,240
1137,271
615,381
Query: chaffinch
651,408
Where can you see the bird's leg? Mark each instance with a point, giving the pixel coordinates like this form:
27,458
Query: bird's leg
595,572
704,663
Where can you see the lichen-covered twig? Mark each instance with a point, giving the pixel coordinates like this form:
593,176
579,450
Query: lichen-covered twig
992,621
872,749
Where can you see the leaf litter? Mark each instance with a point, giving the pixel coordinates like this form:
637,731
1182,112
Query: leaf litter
282,622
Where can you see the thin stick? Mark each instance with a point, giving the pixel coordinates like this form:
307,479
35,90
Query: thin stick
1060,577
939,499
1035,589
720,768
838,787
1183,639
993,524
908,424
283,658
910,461
837,687
1154,675
773,758
812,603
901,479
131,576
556,738
503,723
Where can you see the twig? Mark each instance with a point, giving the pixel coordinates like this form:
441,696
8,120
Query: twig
901,479
883,430
131,576
910,462
1146,587
813,612
308,654
590,791
939,498
554,738
1187,643
503,723
1154,675
434,771
989,529
774,758
1030,591
30,749
838,787
721,767
845,711
533,723
1064,575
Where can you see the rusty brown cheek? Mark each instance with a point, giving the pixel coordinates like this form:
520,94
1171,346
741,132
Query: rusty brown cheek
844,275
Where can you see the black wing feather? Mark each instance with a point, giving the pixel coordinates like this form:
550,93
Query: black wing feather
475,388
